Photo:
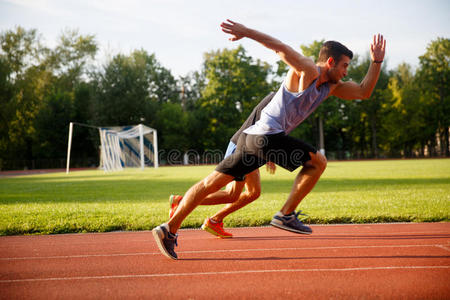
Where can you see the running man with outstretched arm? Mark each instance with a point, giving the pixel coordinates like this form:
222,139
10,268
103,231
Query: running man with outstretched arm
307,84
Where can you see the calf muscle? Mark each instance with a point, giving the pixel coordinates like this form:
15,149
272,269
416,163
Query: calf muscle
195,195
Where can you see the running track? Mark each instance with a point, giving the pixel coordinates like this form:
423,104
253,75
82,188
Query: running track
376,261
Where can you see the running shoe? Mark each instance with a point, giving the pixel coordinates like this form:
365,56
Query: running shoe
165,240
216,229
174,202
290,222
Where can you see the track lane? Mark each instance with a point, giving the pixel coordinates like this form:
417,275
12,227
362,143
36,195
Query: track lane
339,261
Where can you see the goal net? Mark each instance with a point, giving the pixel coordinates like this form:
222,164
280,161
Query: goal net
128,146
133,146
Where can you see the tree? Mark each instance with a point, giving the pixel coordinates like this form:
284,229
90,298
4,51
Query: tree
135,88
51,124
172,123
23,84
130,88
68,59
433,77
7,111
191,87
66,65
404,125
34,80
235,84
371,108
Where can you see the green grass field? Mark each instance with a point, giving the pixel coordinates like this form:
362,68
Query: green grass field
348,192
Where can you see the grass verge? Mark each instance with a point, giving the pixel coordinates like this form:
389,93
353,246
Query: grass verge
348,192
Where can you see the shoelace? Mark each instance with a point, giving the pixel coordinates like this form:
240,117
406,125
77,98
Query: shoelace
300,213
174,237
176,240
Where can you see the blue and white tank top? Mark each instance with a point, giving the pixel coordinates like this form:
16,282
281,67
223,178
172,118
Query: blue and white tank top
287,109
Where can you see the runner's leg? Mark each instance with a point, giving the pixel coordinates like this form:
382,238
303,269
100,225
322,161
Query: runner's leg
230,195
305,181
253,190
195,195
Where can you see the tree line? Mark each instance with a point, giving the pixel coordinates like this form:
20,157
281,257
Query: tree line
43,89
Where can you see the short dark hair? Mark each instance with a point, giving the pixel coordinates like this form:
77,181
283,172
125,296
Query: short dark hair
335,50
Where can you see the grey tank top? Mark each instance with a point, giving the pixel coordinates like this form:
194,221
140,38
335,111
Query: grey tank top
287,109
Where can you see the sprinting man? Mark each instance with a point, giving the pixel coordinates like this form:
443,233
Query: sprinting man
306,85
233,195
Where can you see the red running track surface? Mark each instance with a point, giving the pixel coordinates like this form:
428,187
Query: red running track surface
374,261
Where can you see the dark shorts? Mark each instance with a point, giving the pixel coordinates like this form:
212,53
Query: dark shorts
253,151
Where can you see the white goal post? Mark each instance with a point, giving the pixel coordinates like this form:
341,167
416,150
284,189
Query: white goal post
123,146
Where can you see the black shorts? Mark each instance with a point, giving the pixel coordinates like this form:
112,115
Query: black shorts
253,151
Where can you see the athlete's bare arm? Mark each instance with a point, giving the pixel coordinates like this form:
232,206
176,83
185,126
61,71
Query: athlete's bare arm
303,66
350,90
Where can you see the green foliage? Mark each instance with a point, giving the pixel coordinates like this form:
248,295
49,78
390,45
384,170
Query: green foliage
51,125
42,89
129,89
21,83
69,58
38,85
312,50
434,79
173,123
401,113
236,83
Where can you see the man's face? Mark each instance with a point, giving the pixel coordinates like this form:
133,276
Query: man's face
337,71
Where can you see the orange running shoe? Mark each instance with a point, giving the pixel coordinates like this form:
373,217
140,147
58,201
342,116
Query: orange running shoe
174,202
216,229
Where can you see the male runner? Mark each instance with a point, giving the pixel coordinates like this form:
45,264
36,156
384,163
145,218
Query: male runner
306,85
233,195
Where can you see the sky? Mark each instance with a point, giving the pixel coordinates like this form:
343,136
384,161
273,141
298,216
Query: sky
179,32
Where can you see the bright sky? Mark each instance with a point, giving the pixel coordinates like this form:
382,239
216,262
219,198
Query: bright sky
179,32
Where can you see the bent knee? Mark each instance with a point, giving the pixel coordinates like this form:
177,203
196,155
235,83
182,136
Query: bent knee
253,194
318,160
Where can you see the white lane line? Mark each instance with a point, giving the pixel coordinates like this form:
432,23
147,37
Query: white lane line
220,250
356,234
443,247
148,232
349,234
387,234
224,273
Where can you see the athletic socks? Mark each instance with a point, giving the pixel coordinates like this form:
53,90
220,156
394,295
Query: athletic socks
170,234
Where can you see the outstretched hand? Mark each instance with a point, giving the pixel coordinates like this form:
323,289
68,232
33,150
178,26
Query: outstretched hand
235,29
377,48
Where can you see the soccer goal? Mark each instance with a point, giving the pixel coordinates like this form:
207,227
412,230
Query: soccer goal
121,147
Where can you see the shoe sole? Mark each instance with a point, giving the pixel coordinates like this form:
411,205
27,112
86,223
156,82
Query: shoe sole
158,238
280,226
207,229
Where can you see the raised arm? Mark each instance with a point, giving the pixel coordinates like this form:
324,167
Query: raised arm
350,90
291,57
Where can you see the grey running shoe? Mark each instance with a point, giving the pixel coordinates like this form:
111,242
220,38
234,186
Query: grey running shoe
290,222
165,240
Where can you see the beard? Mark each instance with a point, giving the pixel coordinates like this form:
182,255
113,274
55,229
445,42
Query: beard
332,76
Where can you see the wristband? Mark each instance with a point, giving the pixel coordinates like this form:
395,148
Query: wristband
378,61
